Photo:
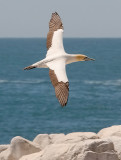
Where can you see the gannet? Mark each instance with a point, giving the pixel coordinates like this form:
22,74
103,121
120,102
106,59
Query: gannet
56,59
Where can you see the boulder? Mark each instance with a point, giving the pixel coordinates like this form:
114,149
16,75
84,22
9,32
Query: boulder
3,147
19,147
44,139
110,131
106,145
94,149
117,144
56,137
76,137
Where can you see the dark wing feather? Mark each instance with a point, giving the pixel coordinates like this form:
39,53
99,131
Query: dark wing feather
54,24
61,89
62,92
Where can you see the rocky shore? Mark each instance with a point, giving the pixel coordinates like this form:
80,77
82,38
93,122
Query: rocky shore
105,145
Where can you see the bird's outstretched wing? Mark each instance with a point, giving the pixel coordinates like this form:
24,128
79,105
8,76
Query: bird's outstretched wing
57,70
55,35
55,22
61,88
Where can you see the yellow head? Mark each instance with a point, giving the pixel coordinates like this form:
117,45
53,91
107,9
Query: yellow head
81,57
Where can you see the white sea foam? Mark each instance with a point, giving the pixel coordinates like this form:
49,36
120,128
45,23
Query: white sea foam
36,81
3,81
24,81
106,82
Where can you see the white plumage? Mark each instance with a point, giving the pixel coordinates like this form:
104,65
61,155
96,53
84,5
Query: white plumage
57,44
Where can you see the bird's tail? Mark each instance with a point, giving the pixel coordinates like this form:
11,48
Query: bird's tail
39,64
29,67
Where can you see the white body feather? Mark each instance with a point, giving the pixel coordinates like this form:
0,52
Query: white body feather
56,58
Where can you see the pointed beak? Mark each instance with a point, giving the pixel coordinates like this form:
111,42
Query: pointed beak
88,59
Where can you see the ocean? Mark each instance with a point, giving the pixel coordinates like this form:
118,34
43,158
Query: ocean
28,105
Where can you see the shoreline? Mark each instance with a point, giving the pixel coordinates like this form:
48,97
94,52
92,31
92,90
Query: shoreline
105,145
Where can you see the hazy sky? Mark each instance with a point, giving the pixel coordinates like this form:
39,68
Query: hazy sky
81,18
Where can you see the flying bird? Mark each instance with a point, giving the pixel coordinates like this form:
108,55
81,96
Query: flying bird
56,59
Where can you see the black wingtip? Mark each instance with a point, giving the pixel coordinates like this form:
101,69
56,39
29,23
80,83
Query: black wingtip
64,105
29,67
55,13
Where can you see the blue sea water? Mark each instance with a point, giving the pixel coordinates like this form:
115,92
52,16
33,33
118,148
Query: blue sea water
28,105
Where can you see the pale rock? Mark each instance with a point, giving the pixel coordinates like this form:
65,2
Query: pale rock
19,147
4,147
117,144
56,137
99,156
110,131
77,137
106,145
43,140
96,149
